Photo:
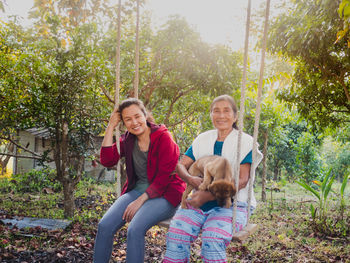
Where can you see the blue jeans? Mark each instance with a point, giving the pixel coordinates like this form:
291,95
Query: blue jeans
150,213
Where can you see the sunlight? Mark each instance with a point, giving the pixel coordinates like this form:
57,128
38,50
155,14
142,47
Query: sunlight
217,21
221,21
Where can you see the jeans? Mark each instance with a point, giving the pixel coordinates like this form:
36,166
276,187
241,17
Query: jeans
150,213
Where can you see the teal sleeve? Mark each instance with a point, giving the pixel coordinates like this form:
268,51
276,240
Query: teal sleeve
189,153
248,158
217,151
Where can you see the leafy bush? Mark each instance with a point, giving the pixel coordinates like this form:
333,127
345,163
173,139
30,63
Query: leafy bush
34,181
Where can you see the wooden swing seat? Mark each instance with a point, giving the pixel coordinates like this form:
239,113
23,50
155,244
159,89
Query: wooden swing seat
240,236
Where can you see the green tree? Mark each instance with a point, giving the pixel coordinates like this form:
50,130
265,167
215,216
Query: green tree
307,157
305,33
344,13
50,83
336,153
179,73
2,6
185,75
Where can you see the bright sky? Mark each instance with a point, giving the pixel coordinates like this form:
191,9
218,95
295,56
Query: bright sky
218,21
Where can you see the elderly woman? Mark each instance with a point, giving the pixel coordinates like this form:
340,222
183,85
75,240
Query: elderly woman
203,212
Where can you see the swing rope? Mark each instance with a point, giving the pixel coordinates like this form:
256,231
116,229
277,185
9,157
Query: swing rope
241,114
117,93
258,106
117,77
249,228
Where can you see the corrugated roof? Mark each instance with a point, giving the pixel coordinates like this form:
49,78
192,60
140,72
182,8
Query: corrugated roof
39,132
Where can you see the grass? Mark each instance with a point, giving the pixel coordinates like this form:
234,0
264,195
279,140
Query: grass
285,232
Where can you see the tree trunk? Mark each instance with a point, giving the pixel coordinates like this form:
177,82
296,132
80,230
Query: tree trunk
69,169
3,162
68,203
275,172
263,176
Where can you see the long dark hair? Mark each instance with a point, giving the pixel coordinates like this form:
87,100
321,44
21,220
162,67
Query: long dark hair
133,101
232,103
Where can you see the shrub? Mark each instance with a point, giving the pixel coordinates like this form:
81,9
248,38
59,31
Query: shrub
35,181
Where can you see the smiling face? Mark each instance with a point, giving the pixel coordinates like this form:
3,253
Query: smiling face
222,115
134,120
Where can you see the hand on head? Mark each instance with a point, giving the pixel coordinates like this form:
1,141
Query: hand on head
115,118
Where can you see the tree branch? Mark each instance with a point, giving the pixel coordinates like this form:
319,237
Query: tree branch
109,97
22,147
21,156
179,95
180,121
340,79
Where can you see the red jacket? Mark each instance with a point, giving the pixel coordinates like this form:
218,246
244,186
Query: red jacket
163,155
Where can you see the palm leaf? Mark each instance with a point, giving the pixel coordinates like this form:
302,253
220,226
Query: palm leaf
313,211
343,185
309,188
328,188
324,182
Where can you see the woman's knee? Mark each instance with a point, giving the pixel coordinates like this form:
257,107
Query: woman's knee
136,230
218,244
219,238
105,228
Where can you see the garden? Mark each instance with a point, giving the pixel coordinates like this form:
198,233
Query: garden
64,72
287,230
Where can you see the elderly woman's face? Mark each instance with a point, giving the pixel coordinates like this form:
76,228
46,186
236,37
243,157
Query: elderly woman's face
222,115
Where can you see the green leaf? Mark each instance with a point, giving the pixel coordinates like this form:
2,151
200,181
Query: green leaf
341,8
324,182
309,188
328,188
343,185
313,211
346,10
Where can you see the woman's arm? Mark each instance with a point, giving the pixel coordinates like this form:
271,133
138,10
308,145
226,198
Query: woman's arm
201,197
198,198
109,155
244,174
113,122
182,170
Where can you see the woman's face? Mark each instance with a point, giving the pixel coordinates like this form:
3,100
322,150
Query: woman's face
222,115
134,120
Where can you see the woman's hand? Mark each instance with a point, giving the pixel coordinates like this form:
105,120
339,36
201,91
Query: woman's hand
114,119
133,207
131,210
199,198
195,181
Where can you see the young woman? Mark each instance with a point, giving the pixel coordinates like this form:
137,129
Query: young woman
203,212
152,191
